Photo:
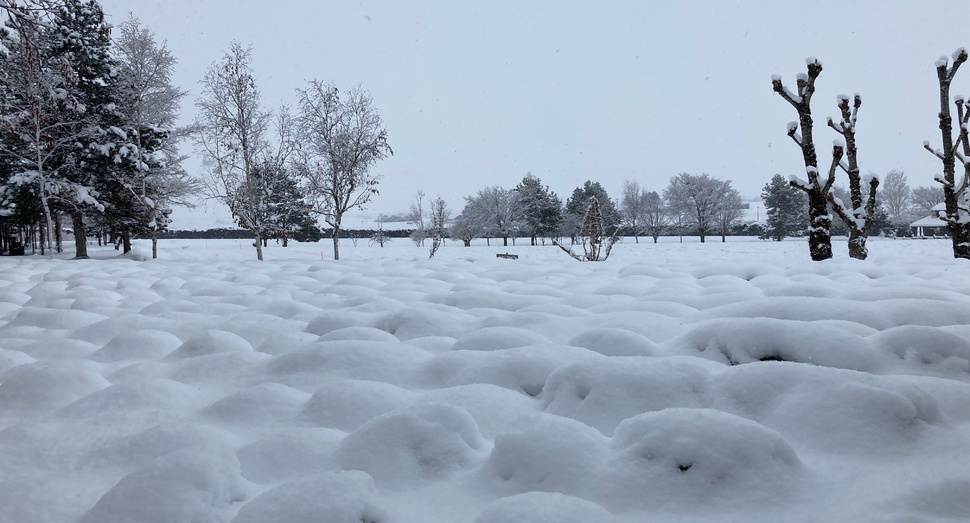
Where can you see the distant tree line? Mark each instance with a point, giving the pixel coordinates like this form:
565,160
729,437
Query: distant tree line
692,204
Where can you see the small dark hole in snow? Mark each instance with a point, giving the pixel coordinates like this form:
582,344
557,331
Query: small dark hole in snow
684,467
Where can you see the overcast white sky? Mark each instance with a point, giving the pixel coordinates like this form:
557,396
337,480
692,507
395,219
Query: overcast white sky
478,94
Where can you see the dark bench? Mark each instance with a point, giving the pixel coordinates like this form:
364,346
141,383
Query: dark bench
508,256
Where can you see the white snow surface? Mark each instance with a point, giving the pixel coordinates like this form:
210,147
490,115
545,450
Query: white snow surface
675,382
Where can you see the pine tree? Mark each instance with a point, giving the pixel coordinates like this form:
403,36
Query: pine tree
106,160
784,206
540,207
43,116
577,205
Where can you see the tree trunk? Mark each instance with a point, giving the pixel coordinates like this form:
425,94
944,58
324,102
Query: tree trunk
125,242
960,233
857,244
259,245
468,243
336,242
58,240
723,238
154,243
80,238
655,238
505,241
637,238
819,237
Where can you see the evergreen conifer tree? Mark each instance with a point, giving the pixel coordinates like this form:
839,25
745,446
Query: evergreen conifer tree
784,207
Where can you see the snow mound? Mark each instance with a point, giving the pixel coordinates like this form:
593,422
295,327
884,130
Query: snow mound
258,405
329,322
601,394
192,484
359,333
678,457
142,344
541,452
348,404
615,342
142,448
925,347
210,342
497,338
13,358
332,497
522,369
747,340
492,406
834,410
395,363
57,348
411,323
548,507
54,318
289,455
149,397
35,388
423,442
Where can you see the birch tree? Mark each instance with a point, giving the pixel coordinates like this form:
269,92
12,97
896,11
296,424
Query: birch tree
231,136
341,137
817,189
151,104
954,150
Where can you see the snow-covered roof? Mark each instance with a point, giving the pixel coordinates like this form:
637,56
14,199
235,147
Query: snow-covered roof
929,221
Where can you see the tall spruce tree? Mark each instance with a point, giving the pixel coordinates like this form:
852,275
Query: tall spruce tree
784,207
105,158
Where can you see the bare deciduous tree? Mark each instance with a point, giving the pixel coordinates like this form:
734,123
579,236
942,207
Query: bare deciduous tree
730,210
231,135
656,215
416,217
957,216
151,103
634,202
439,215
341,138
924,198
858,217
895,196
699,198
820,222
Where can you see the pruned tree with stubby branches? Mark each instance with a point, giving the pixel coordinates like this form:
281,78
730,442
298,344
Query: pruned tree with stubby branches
858,218
957,213
820,221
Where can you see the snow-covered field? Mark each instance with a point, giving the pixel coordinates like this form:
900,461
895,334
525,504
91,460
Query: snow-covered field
208,387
